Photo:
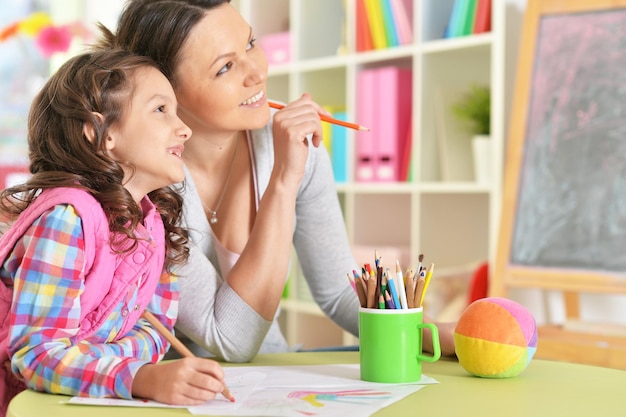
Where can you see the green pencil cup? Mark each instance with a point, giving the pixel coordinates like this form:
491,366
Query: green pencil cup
390,343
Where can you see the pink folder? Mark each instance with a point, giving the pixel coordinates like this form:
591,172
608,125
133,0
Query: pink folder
366,115
393,116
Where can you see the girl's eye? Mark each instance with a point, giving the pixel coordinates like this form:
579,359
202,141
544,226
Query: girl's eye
251,44
161,109
225,68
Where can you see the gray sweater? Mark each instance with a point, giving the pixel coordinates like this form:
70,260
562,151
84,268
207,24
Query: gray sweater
213,320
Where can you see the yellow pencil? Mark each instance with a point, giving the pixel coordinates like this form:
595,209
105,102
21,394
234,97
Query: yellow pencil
178,345
429,275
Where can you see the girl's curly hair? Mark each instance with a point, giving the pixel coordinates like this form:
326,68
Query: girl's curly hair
98,82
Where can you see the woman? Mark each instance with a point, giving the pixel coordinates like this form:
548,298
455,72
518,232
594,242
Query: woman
255,185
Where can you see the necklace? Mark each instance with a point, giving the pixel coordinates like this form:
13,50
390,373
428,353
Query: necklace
213,213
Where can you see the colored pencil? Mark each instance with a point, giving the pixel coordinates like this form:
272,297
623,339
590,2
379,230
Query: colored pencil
326,118
410,289
352,282
419,290
381,302
420,258
371,291
177,344
429,275
391,286
401,287
389,301
360,289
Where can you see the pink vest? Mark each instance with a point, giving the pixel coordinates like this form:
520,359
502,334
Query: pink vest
109,277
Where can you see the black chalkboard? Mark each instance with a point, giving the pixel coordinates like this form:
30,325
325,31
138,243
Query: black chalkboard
571,203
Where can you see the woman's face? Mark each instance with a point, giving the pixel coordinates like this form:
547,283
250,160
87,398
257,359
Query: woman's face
221,75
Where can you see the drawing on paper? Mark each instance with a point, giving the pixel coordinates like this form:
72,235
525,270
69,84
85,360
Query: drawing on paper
359,396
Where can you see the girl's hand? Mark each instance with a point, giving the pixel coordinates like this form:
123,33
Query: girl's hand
187,381
293,126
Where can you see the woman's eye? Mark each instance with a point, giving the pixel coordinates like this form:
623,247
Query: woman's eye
251,43
161,109
224,68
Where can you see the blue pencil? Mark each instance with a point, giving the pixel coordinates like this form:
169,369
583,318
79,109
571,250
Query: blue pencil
392,287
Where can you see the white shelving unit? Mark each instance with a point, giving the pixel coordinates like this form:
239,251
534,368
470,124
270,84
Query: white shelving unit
452,221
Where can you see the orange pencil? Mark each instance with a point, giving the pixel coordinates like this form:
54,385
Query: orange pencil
177,344
326,118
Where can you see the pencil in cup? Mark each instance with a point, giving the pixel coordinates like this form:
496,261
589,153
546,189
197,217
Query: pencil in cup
371,289
428,277
178,345
326,118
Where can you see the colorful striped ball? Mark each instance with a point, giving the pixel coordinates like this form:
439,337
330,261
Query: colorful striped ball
495,338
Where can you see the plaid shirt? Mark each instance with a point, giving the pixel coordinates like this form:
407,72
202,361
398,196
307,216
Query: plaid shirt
46,271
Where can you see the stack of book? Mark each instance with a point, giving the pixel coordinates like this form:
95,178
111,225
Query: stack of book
383,24
469,17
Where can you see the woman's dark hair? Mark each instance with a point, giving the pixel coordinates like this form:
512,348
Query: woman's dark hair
157,29
93,90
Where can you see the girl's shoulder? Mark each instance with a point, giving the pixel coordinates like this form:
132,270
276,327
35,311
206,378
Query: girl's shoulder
86,206
81,199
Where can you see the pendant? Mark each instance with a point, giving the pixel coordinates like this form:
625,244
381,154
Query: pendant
213,218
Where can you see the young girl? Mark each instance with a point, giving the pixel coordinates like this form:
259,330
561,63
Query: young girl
93,235
258,183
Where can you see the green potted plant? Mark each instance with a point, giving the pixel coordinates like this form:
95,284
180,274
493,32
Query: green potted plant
474,109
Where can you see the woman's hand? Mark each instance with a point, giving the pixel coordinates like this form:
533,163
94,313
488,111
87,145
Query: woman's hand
188,381
446,337
293,126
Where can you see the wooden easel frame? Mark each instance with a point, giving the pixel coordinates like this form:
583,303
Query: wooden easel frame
606,347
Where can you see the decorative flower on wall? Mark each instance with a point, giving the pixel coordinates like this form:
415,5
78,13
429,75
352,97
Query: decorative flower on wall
49,37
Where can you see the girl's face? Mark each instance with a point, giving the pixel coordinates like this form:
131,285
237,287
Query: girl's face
150,136
221,75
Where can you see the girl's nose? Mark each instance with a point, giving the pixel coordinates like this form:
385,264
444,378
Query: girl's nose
184,132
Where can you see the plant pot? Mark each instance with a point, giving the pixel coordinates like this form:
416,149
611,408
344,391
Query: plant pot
481,150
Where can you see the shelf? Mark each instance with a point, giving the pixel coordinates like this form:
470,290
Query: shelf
456,44
409,188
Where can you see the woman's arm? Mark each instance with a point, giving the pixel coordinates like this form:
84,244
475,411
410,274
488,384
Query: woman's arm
322,244
214,316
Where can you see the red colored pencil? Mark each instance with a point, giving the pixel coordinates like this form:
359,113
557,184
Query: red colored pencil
326,118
